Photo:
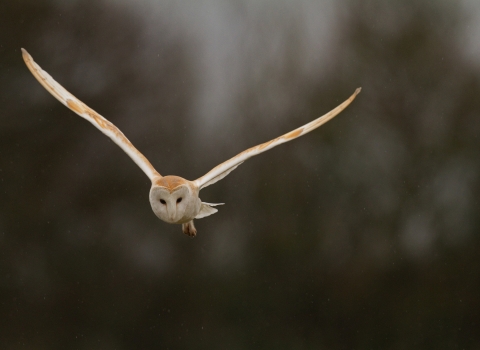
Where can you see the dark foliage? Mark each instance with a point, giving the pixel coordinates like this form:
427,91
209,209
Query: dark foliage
361,235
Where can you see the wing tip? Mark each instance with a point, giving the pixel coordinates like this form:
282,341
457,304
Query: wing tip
26,56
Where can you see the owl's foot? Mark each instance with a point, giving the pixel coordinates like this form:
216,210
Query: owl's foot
189,229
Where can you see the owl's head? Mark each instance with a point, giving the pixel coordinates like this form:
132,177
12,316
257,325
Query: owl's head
174,199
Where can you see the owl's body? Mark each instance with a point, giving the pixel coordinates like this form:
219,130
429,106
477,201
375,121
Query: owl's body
174,199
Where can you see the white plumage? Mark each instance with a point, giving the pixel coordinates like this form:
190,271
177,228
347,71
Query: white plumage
173,199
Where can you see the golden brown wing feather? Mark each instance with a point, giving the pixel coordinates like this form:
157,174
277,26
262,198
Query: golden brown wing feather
77,106
222,170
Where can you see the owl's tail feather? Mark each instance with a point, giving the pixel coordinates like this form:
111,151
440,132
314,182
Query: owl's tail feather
207,209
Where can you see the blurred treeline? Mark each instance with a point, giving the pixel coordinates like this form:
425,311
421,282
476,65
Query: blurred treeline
361,235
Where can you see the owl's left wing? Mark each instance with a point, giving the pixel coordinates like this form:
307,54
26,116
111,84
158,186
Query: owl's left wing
222,170
77,106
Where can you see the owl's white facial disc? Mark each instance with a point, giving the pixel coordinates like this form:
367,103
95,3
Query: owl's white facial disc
173,201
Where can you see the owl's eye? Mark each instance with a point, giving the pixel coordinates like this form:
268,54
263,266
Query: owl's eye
162,201
179,200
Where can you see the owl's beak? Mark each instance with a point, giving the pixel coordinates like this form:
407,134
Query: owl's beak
171,211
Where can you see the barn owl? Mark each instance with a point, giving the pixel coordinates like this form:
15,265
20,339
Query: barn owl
173,199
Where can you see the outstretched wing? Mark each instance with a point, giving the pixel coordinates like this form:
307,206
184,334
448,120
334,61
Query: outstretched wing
222,170
59,92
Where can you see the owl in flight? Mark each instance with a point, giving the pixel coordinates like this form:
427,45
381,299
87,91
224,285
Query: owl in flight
173,199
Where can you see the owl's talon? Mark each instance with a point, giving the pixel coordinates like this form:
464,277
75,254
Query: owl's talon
189,229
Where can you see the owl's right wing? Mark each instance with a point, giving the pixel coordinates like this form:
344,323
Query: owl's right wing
77,106
222,170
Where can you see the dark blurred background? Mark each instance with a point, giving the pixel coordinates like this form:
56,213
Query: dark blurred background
361,235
